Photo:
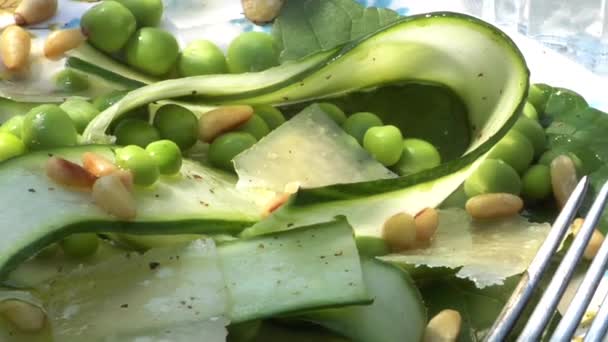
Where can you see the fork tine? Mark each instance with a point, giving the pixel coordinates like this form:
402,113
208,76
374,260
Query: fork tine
548,302
598,328
510,313
584,293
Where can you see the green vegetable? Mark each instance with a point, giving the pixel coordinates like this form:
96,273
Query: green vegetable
538,95
13,125
201,57
493,176
530,112
384,143
143,166
418,155
135,132
334,112
227,146
255,126
535,133
80,111
547,157
372,246
146,12
252,51
536,182
514,149
358,124
80,245
71,81
108,26
271,115
10,146
177,124
167,155
105,101
48,126
152,50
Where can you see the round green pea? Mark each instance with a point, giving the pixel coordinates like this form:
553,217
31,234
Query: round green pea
48,126
167,155
227,146
146,12
152,50
272,116
177,124
135,159
105,101
10,146
71,81
80,111
536,182
384,143
255,126
514,149
108,25
538,95
493,176
334,112
13,125
201,57
372,246
357,124
252,51
80,245
135,132
530,112
418,155
532,130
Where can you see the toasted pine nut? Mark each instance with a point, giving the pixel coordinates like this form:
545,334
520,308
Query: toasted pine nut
427,222
222,119
61,41
126,177
111,195
444,327
66,173
98,165
262,11
35,11
399,232
594,242
15,46
492,206
24,316
276,203
563,178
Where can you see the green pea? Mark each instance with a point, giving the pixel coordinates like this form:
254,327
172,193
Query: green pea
334,112
530,112
252,51
493,176
384,143
532,130
357,124
80,111
105,101
80,245
135,132
140,163
10,146
152,50
514,149
538,95
48,126
13,125
71,81
255,126
201,57
146,12
177,124
418,155
271,115
227,146
372,246
167,155
108,26
536,182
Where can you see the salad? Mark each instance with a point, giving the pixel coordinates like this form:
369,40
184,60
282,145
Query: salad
353,175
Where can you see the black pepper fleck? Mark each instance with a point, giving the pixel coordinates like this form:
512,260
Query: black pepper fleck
124,306
154,265
31,190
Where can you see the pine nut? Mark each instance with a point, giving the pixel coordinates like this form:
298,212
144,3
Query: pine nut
223,119
594,242
98,165
61,41
69,174
399,232
427,222
493,206
15,46
35,11
24,316
262,11
111,195
563,178
444,327
126,177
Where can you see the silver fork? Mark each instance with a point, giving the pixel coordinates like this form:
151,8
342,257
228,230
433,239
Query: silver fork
545,308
